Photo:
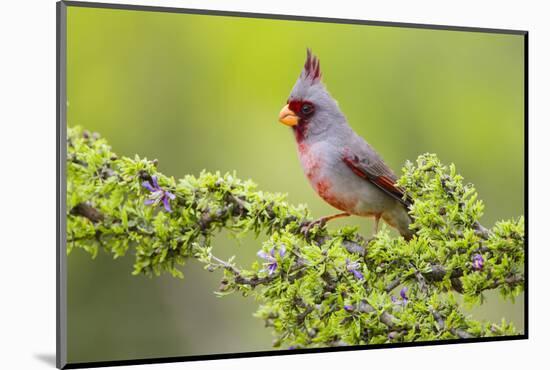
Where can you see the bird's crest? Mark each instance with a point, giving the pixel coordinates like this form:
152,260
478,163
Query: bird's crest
312,68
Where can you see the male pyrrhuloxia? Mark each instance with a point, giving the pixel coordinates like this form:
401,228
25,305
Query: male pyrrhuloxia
340,165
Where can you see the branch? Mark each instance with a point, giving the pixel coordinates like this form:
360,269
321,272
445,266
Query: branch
87,211
329,287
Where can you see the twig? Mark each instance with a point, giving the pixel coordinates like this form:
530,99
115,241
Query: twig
86,210
481,231
462,334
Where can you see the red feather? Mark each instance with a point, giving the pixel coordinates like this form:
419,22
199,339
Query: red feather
384,183
312,67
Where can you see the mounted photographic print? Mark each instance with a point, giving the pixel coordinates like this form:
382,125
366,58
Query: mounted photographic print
235,184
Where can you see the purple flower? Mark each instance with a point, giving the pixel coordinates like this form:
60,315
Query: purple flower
272,263
403,294
354,267
282,251
158,194
477,262
348,307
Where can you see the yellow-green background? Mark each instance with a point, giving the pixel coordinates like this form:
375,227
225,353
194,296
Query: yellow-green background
203,92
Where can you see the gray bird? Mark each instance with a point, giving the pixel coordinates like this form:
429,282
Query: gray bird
340,165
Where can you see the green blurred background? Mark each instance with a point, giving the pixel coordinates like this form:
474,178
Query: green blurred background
203,92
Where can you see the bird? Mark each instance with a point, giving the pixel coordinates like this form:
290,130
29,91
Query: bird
341,166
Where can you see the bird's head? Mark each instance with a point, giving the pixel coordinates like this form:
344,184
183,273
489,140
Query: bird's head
310,109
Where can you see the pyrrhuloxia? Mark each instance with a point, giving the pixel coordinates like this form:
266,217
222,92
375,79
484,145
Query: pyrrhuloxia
340,165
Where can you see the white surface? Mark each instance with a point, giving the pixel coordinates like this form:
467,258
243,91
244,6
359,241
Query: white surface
27,250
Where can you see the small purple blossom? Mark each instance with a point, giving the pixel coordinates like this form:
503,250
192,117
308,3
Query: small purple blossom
271,259
158,194
353,267
349,307
403,294
477,262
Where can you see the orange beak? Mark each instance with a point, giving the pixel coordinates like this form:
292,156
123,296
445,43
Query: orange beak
288,117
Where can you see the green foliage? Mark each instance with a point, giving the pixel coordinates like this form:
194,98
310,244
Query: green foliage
316,288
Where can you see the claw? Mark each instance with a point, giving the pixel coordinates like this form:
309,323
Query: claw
307,226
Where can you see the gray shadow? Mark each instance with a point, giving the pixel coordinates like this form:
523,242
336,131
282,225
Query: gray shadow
47,358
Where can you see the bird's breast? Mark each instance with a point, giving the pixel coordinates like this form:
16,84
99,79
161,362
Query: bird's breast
311,161
320,170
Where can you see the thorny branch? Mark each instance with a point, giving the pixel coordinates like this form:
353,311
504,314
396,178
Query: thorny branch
317,288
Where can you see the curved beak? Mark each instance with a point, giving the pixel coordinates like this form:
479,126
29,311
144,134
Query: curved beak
288,117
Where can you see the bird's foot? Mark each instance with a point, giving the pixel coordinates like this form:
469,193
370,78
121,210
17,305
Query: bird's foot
321,222
307,226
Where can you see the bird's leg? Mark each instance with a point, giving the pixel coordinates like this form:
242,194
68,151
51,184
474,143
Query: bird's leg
322,221
376,222
375,228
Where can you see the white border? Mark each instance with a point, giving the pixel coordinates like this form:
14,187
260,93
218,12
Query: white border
28,181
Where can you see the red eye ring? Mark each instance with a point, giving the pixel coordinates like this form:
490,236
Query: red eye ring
302,108
306,109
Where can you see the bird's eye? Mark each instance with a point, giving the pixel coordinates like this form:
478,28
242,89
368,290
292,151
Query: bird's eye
306,109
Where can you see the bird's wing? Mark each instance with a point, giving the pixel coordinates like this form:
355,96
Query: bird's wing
367,164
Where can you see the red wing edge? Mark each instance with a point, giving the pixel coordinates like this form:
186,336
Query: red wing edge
384,183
